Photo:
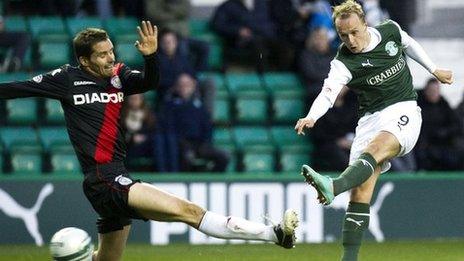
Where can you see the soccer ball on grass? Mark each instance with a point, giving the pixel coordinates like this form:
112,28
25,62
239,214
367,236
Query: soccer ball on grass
71,244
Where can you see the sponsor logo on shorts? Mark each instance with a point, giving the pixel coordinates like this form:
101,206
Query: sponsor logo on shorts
123,180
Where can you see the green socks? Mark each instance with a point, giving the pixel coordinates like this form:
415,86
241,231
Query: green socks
355,174
355,222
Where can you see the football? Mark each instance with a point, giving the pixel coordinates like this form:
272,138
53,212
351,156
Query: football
71,244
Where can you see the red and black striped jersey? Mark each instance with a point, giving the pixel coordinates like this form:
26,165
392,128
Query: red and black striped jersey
91,105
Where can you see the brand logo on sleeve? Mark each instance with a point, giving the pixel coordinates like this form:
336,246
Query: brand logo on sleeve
79,83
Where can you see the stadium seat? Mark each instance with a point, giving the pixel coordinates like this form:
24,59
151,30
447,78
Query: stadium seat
77,24
251,107
281,81
221,114
128,54
53,54
243,81
50,28
222,136
285,136
232,151
215,57
64,161
120,25
291,158
18,76
150,98
53,112
217,78
55,139
288,106
259,159
199,26
26,162
16,23
19,138
21,111
251,136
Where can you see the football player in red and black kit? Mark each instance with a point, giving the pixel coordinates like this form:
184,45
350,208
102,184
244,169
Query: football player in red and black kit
91,96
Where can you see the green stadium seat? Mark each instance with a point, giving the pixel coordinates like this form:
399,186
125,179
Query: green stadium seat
291,158
281,81
64,162
77,24
243,82
18,76
251,107
150,98
128,53
232,151
26,162
288,106
50,28
259,159
251,136
222,136
221,114
21,111
53,112
120,25
16,23
199,26
215,58
19,139
285,136
217,78
55,139
53,54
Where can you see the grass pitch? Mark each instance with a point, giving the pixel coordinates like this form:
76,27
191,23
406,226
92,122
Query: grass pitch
397,251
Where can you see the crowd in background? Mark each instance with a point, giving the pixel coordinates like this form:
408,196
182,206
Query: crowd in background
261,36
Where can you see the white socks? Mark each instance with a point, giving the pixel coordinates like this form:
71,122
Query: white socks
230,227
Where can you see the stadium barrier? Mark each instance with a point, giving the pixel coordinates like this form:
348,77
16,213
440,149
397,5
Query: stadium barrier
405,206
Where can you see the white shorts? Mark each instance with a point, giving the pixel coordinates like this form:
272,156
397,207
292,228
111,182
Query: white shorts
401,119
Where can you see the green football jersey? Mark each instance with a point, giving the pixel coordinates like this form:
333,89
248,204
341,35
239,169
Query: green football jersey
380,77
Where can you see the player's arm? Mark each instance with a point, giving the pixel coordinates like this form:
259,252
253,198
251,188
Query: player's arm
147,44
51,85
414,50
338,77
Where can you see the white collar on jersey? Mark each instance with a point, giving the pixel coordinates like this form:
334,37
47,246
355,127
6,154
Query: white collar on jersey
375,39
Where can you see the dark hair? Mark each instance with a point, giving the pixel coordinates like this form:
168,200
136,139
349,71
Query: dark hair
85,39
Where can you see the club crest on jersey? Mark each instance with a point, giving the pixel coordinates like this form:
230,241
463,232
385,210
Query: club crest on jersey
391,48
116,82
123,180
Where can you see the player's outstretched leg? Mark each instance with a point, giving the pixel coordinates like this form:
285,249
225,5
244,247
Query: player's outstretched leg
321,183
283,234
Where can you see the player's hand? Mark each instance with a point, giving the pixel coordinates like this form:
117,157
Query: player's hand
303,123
148,41
444,76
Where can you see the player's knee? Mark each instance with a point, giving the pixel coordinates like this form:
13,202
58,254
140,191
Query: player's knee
191,213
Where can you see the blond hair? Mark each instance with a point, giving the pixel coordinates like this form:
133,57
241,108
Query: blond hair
346,9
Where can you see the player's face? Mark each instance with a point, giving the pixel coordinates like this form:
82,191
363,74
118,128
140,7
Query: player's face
353,32
101,61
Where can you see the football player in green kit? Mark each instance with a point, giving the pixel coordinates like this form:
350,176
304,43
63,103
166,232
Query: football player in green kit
371,62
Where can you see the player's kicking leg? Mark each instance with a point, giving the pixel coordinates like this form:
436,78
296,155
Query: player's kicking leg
155,204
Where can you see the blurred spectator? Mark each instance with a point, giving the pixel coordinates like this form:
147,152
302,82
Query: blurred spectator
400,11
185,116
437,147
314,61
174,61
333,134
59,7
138,122
374,14
18,42
248,31
169,14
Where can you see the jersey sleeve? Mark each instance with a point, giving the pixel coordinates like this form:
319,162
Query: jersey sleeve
137,82
50,85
